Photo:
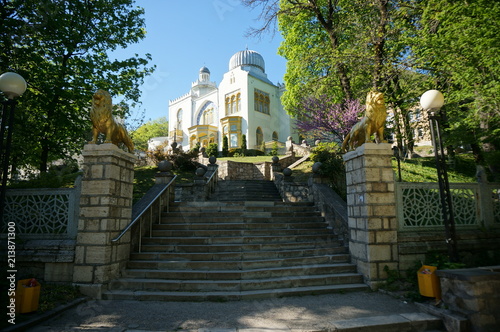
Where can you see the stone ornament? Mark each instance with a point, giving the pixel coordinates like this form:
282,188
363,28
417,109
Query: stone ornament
371,124
104,122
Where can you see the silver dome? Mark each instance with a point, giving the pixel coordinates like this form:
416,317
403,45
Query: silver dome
247,58
204,70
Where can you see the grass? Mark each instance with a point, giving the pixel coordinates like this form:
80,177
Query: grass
302,172
424,169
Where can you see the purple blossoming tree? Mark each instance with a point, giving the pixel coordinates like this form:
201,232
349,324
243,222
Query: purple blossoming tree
322,118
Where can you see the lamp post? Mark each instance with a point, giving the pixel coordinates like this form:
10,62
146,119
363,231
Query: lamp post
431,101
12,85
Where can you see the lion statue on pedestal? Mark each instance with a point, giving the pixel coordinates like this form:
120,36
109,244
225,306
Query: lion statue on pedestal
104,122
371,124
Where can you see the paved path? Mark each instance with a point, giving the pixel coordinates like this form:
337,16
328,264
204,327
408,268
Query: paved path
311,313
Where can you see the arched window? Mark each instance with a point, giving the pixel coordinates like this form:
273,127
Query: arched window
261,101
259,137
275,136
228,103
179,120
207,117
233,104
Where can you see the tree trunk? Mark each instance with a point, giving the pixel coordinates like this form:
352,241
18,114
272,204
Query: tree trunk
379,43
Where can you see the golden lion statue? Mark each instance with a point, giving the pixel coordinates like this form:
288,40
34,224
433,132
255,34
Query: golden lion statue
104,122
372,123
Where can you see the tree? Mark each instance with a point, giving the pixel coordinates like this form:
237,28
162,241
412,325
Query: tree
225,146
154,128
457,44
322,118
342,48
61,48
243,144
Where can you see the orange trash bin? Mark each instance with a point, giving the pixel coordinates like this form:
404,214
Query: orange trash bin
27,295
428,282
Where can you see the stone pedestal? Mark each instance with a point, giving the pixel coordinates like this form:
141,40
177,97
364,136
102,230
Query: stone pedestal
105,210
371,211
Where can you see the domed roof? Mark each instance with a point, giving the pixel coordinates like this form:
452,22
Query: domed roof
204,70
247,58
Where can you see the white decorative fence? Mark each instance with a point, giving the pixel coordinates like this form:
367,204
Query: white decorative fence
43,213
474,204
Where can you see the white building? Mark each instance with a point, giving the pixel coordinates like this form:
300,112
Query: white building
246,102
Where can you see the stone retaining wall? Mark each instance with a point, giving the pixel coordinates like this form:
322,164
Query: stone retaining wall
292,191
474,293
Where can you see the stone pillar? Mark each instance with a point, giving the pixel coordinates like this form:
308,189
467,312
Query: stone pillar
371,210
105,210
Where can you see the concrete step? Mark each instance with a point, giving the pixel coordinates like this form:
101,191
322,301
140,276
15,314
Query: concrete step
233,265
234,285
201,225
390,323
255,190
229,295
248,255
237,247
242,218
262,273
237,232
209,240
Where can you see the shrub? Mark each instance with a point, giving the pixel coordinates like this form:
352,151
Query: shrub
274,151
183,161
212,150
225,146
243,144
332,165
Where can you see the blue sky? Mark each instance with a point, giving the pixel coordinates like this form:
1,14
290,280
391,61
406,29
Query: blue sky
185,35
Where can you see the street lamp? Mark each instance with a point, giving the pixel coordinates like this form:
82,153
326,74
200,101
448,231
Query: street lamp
431,101
12,85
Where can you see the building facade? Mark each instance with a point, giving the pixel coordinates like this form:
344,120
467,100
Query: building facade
246,103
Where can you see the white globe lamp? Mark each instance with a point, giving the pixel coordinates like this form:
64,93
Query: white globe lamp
12,85
432,100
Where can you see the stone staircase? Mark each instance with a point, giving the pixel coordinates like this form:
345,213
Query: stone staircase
237,250
246,190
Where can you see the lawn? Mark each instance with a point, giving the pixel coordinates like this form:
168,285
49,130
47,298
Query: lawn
424,169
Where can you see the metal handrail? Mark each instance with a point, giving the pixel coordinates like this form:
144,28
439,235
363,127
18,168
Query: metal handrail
148,207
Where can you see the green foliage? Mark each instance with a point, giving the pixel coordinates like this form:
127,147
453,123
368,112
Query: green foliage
62,176
62,49
225,146
181,161
274,151
196,147
332,165
212,150
155,128
455,45
345,48
184,161
263,147
441,261
53,295
243,144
